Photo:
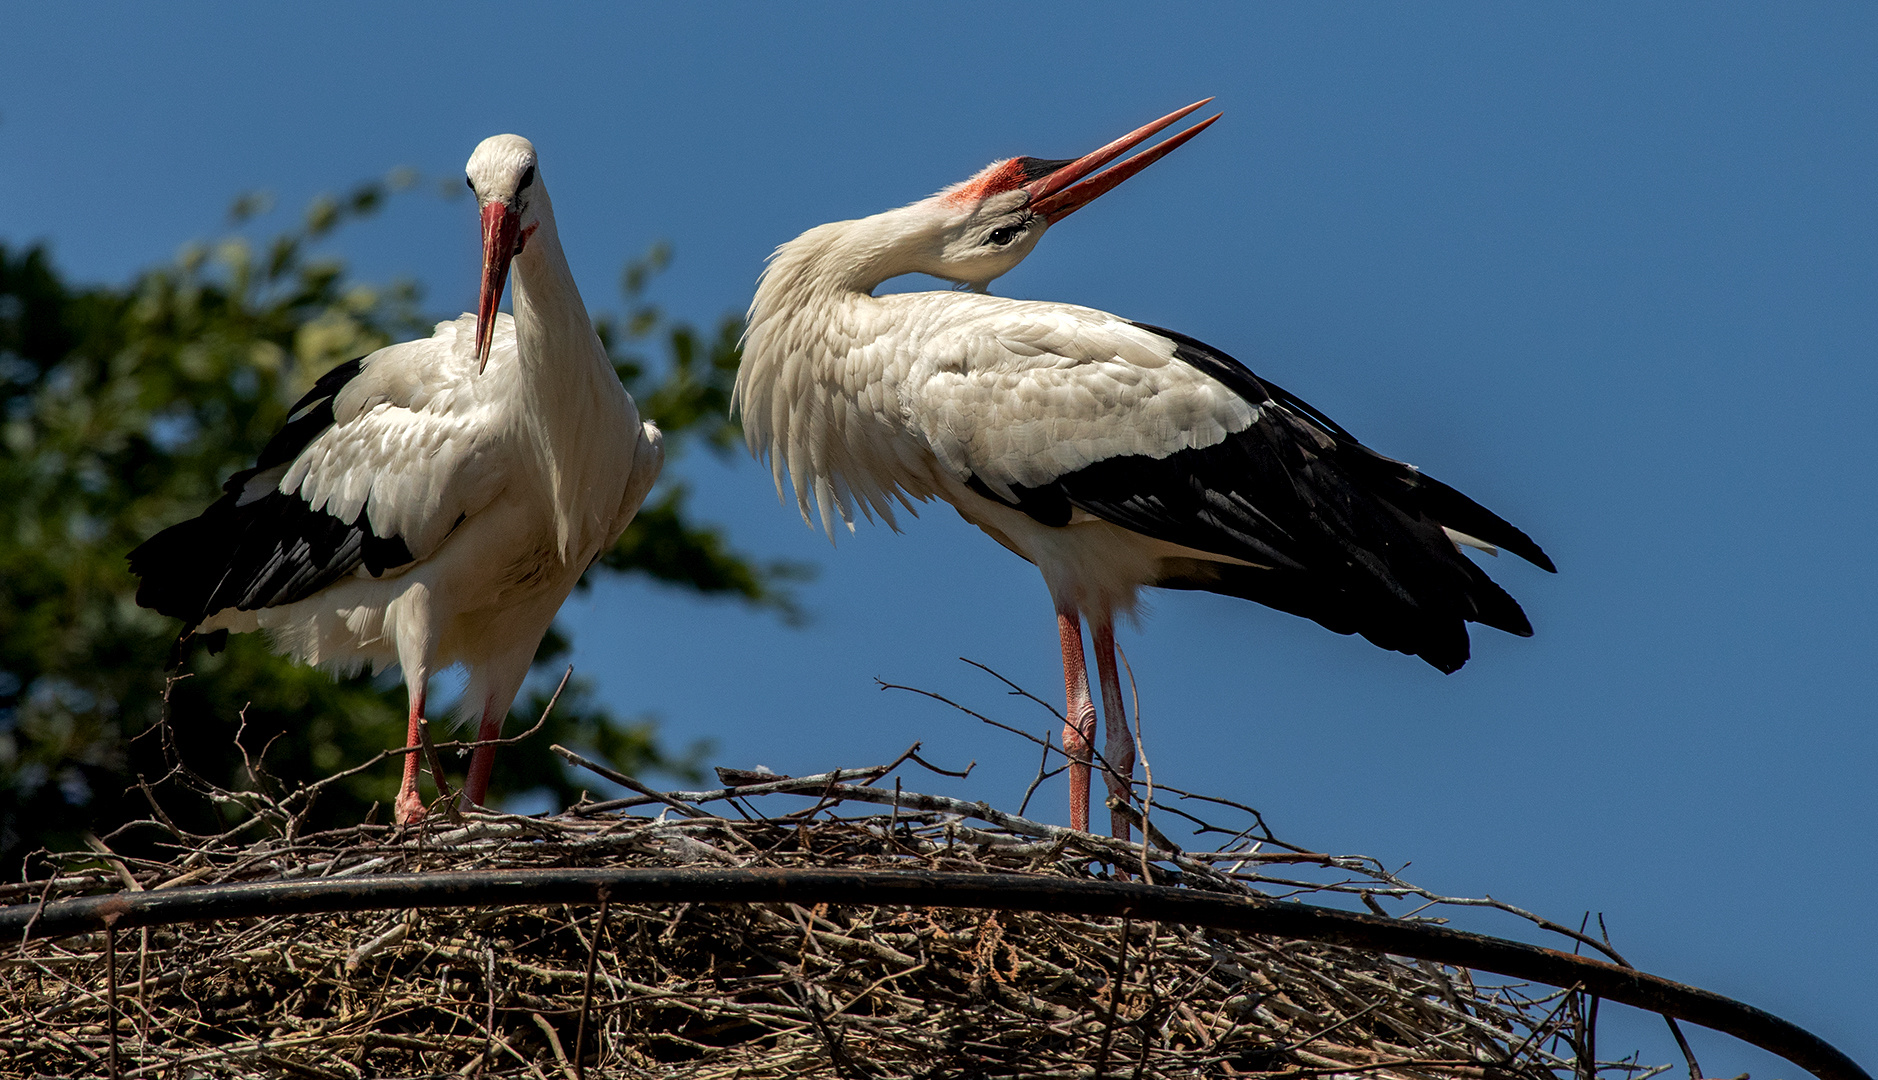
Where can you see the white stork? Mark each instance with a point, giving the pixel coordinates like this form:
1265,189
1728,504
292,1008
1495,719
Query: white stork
432,503
1110,454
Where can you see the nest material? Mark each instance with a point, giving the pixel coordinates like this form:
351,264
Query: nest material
757,991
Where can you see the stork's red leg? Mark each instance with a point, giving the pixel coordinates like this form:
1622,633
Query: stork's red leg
410,805
1079,716
483,758
1119,752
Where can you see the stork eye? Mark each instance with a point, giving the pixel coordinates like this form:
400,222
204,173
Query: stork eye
471,183
527,179
1004,235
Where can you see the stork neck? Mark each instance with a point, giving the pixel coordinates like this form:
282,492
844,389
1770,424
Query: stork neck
570,398
551,321
842,259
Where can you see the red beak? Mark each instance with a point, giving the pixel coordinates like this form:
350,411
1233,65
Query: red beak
501,227
1058,195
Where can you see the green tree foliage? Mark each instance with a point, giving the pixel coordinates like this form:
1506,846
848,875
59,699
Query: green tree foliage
122,410
690,400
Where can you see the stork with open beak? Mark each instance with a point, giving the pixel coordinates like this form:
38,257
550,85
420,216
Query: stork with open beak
1111,454
432,503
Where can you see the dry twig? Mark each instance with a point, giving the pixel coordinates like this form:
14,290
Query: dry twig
764,991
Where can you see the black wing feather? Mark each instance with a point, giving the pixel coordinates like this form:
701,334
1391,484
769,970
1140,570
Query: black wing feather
270,551
1439,501
1337,533
310,416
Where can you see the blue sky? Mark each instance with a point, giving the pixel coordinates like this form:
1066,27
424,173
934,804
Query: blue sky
1611,270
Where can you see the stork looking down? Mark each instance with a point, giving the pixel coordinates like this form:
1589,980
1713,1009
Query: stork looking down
1110,454
432,503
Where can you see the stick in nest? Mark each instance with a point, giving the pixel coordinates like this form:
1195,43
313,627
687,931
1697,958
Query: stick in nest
751,991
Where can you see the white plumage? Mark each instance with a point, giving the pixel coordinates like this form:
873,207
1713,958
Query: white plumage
436,455
1012,392
1111,454
431,503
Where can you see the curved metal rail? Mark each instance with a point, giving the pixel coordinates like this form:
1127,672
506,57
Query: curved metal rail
911,888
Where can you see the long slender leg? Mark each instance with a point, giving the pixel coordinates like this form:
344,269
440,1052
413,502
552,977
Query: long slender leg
483,758
1079,714
1119,753
410,805
409,619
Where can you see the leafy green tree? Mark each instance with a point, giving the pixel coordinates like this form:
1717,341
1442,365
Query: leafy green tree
122,410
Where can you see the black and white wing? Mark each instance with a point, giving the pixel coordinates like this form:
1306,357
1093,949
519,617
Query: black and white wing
1068,412
375,466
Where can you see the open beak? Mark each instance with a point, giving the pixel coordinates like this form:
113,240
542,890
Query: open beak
501,227
1059,194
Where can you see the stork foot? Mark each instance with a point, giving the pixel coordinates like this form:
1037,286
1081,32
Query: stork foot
409,809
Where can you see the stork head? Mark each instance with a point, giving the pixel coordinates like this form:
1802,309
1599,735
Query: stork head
983,227
502,174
